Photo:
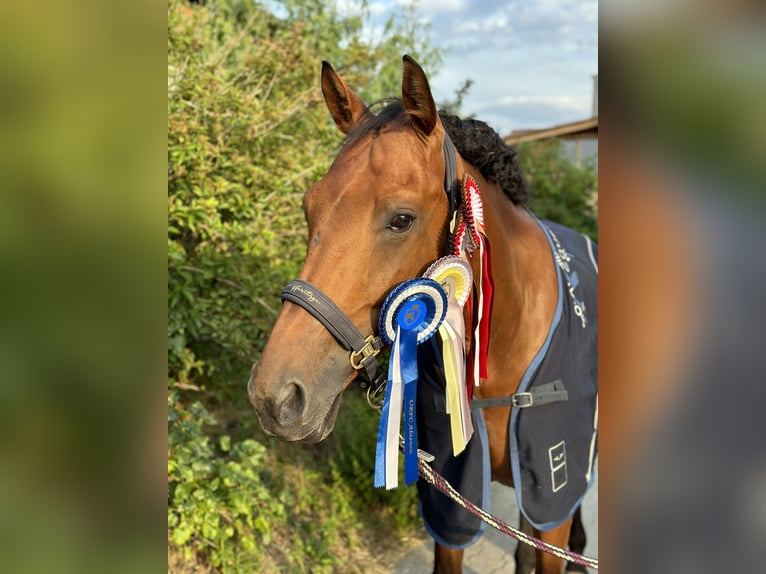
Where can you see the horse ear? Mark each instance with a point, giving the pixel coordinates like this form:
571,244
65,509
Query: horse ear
346,108
417,98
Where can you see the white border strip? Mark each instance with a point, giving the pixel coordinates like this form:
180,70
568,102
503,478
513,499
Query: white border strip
592,443
590,252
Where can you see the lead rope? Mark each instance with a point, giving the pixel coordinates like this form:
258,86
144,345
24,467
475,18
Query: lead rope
439,482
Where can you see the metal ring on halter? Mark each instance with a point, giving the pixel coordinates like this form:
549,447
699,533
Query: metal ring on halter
358,358
374,395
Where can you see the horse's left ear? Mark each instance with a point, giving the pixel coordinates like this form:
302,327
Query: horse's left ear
417,98
346,108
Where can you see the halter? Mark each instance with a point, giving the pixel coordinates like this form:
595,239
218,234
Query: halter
450,175
320,306
363,350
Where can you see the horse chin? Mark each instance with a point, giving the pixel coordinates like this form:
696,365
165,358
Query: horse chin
323,430
312,436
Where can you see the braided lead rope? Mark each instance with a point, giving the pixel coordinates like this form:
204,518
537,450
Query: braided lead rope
439,482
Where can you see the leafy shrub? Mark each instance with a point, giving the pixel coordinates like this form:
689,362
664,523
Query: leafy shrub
217,498
238,506
248,132
561,191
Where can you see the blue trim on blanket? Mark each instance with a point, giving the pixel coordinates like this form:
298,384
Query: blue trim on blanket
524,384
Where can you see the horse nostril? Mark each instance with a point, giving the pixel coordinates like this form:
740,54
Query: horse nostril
291,403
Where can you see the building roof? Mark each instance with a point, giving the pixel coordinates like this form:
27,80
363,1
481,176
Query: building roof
574,130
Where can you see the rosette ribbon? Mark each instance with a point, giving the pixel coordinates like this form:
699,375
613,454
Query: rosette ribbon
456,278
410,315
469,237
485,310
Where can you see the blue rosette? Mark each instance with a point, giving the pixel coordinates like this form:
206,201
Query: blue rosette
422,289
411,314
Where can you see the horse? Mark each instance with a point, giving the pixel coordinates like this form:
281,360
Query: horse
379,217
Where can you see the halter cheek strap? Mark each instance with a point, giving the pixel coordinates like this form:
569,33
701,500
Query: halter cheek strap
450,175
363,349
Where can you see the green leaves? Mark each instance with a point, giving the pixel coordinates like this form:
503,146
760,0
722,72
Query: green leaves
561,191
213,494
248,132
244,508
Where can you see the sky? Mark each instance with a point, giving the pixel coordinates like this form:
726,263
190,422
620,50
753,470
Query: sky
532,62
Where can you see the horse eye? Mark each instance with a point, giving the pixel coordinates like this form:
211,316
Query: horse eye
401,222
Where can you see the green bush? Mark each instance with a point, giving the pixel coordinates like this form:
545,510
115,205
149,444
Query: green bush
250,505
248,132
219,506
561,191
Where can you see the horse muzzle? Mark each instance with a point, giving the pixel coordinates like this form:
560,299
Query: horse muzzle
288,410
298,400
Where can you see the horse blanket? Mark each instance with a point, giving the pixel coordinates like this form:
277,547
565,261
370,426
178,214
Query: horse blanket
553,429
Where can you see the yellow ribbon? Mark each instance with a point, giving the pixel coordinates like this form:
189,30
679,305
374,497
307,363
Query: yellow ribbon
455,277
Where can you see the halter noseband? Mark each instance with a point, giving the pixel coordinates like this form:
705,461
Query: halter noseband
364,350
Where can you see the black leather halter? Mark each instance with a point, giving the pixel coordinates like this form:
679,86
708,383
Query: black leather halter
364,350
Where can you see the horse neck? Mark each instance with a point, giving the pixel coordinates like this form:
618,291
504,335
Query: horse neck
525,285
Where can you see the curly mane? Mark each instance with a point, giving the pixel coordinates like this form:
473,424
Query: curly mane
482,147
476,142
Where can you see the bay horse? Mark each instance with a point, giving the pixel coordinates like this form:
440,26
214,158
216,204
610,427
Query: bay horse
379,217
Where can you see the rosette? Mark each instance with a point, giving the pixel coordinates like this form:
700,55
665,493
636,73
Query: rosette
456,278
454,275
468,237
429,293
410,315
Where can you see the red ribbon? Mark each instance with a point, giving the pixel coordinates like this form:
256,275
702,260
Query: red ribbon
487,287
472,352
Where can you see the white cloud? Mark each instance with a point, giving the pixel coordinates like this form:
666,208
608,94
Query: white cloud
354,8
348,7
377,8
427,7
560,102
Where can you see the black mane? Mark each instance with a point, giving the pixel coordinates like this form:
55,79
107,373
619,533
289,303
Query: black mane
475,141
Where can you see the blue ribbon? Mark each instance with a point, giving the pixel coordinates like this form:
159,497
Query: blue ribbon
410,315
380,447
408,357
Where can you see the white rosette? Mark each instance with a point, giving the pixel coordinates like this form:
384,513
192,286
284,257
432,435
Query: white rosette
454,274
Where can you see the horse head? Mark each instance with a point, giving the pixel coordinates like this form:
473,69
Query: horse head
377,218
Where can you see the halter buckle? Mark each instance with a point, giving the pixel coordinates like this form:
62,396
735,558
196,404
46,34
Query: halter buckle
359,358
